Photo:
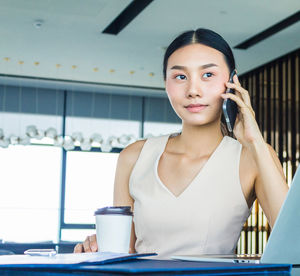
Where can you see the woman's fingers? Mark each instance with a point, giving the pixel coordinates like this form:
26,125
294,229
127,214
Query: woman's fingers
89,245
243,92
86,245
235,98
241,104
93,243
78,248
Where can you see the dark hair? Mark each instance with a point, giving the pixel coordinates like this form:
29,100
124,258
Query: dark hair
202,36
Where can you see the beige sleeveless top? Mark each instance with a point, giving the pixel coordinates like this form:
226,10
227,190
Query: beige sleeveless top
207,217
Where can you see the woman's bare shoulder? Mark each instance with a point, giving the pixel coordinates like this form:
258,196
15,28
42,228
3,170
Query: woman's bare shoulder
125,165
130,154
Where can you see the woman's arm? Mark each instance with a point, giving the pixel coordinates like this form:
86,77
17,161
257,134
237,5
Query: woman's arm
126,162
270,184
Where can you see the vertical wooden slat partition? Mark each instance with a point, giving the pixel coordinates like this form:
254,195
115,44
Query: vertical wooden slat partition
275,95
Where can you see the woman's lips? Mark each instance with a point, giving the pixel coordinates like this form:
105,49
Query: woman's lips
194,108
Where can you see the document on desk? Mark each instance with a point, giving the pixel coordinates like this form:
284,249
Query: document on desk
68,259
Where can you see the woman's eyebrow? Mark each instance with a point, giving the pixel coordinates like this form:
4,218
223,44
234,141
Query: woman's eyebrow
204,66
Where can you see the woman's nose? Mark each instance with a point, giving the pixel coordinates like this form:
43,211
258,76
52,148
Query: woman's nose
194,89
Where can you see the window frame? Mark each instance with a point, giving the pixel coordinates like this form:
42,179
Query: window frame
62,224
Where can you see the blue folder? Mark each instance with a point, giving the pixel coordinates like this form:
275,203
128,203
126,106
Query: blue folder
141,267
153,267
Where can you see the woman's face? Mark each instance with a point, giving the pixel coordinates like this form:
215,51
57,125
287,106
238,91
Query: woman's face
195,79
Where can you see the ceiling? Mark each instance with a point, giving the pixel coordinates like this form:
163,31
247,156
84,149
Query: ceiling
63,39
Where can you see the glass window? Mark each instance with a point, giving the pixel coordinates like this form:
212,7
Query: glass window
89,184
105,127
77,235
16,123
30,185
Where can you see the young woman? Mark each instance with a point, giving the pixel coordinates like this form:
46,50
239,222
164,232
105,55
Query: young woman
192,192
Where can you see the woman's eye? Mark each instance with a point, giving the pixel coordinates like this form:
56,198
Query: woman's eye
180,77
207,75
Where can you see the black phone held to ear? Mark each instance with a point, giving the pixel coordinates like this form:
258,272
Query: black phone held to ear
229,107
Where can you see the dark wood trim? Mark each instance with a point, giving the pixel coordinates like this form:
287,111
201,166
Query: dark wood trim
274,91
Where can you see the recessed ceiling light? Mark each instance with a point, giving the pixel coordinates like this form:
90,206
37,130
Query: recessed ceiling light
38,23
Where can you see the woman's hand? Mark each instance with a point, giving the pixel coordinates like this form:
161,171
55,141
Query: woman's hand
89,245
246,129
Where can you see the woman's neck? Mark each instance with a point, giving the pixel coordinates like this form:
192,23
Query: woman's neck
199,140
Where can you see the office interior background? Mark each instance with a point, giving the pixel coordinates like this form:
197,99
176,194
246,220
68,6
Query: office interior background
79,80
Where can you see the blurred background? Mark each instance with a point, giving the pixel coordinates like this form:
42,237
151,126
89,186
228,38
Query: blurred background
80,80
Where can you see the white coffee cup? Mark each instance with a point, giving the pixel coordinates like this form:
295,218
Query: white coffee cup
113,228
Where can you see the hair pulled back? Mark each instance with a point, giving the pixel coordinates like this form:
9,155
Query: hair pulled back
202,36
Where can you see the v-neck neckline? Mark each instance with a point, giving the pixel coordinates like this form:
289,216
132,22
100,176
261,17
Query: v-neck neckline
200,172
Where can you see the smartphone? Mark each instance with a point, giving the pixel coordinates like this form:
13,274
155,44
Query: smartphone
40,252
229,106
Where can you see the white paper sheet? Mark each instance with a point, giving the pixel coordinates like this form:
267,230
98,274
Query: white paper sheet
63,258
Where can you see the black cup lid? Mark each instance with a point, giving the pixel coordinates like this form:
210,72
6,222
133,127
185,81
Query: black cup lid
114,210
